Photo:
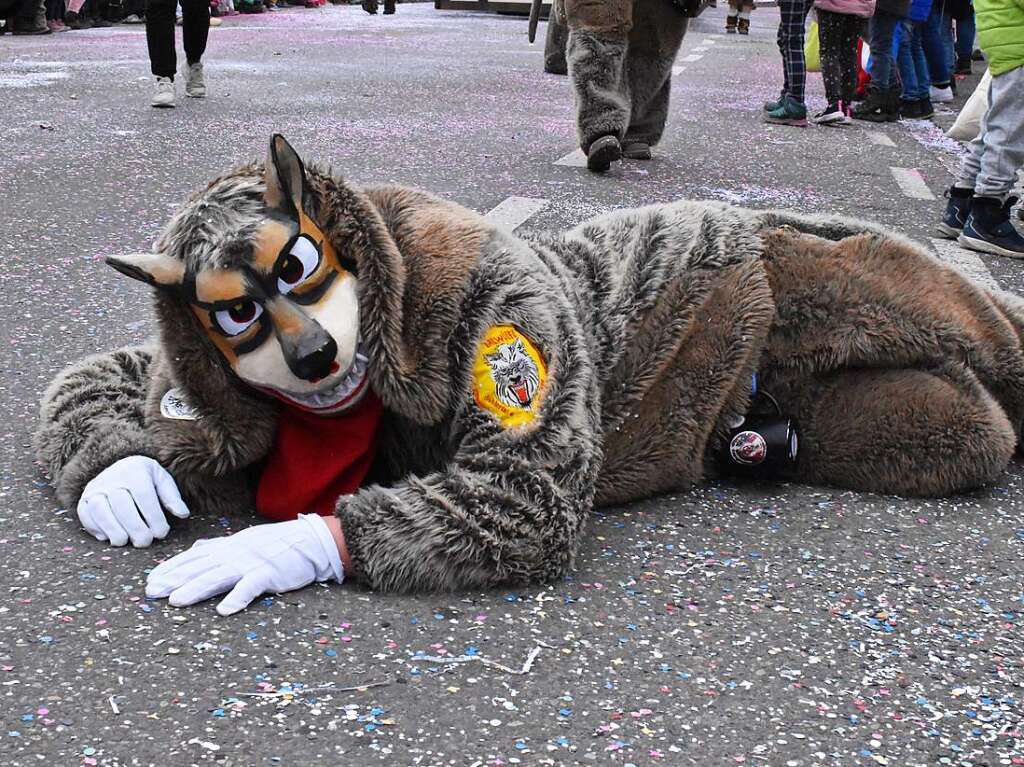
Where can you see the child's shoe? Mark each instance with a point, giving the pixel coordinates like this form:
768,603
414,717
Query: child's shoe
833,114
957,210
743,26
790,112
730,24
989,230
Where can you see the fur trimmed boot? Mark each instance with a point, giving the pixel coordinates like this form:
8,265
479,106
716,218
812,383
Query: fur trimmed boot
730,24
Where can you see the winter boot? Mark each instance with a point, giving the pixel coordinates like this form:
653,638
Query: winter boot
389,7
743,26
730,25
879,107
32,23
989,230
957,210
602,153
370,6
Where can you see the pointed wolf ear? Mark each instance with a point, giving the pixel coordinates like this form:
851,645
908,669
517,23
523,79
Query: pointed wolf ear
285,177
152,268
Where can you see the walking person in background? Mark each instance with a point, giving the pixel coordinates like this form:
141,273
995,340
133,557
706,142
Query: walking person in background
883,101
790,108
978,212
915,102
738,19
840,24
195,27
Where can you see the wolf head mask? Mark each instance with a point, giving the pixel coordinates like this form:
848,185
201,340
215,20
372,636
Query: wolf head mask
272,294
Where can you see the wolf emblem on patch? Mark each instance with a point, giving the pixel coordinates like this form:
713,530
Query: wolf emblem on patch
509,375
748,448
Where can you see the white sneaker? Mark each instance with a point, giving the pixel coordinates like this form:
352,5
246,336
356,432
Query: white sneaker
163,96
941,95
195,86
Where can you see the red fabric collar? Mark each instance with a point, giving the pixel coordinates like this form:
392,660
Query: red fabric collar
316,459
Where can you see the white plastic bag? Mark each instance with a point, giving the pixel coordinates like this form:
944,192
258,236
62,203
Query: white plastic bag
968,122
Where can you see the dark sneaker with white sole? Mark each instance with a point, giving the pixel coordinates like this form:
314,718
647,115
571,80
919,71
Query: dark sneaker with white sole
989,230
602,153
957,210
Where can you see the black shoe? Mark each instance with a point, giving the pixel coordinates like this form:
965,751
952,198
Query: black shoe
977,55
910,110
879,107
636,150
926,110
963,65
98,22
370,6
76,21
957,210
988,228
602,153
389,7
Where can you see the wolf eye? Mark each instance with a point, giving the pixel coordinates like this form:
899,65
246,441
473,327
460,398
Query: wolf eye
238,318
300,263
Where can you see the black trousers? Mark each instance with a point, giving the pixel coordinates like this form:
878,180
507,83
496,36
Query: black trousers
195,27
838,33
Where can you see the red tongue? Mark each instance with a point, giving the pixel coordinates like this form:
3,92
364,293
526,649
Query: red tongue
521,394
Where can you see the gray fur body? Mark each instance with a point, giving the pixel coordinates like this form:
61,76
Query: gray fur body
620,55
905,376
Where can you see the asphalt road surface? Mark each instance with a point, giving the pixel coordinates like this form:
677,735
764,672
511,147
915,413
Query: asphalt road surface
730,625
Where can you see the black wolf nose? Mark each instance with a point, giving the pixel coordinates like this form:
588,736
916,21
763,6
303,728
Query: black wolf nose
316,364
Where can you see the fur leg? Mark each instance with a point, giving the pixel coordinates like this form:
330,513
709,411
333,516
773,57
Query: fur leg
901,432
597,71
554,45
653,45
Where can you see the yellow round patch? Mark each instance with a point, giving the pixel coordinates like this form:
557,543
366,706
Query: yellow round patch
509,375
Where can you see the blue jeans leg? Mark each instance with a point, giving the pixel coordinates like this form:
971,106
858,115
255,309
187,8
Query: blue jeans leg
936,51
965,35
883,24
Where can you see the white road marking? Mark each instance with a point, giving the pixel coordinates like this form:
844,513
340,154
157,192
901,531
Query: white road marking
513,211
877,137
575,159
692,57
707,41
911,183
700,49
965,261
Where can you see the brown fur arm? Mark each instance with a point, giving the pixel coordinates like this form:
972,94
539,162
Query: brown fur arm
91,416
508,507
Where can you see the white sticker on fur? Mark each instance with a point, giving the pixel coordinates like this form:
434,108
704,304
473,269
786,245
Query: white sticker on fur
173,405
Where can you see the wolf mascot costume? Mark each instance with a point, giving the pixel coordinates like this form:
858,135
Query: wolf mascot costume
456,399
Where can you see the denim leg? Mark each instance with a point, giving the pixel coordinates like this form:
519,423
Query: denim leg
882,27
935,51
905,60
920,65
965,35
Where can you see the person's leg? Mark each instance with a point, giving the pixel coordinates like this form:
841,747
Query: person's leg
653,44
902,432
905,61
882,103
965,30
596,55
195,28
998,154
830,40
160,37
743,22
935,51
853,28
793,17
554,45
732,16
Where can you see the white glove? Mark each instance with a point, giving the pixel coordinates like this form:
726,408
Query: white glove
124,501
280,557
